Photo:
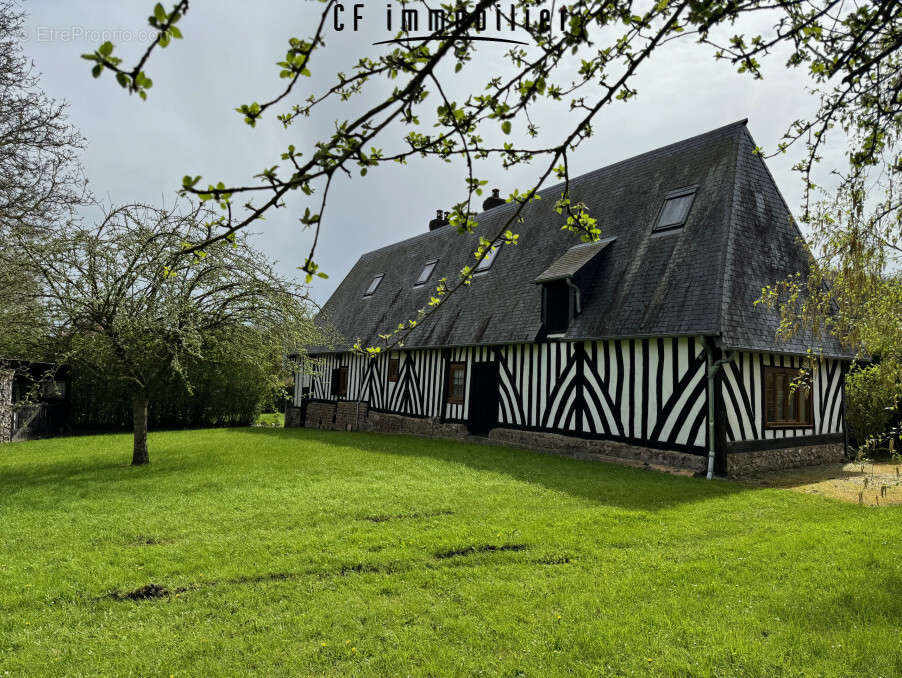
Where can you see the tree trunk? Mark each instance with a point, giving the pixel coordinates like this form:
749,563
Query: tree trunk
139,410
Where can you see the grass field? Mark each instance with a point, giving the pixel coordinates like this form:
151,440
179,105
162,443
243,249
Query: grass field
291,552
270,419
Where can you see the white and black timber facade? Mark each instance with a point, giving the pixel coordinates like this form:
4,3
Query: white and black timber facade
608,341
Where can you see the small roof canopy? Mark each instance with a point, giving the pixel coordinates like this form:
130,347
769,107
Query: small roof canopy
569,263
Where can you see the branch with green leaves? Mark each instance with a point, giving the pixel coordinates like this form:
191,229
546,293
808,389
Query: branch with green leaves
134,79
851,54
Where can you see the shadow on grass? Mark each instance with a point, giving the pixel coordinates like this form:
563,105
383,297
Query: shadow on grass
109,463
605,483
631,488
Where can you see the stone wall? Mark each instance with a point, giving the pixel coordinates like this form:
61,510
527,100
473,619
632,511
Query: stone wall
320,415
292,417
747,463
341,416
351,415
587,448
6,405
354,416
420,426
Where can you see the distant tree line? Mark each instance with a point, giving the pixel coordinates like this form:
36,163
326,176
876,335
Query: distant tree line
222,395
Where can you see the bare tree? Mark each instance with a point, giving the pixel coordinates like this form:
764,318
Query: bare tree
40,175
41,181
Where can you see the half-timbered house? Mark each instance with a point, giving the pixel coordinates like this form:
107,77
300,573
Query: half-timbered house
646,343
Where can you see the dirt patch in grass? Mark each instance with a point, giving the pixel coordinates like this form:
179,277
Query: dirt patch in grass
871,484
480,548
385,517
156,591
146,592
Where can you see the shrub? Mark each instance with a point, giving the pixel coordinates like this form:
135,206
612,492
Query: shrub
872,398
223,395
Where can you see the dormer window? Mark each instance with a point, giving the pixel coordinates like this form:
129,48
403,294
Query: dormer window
426,273
489,257
561,297
558,306
675,209
374,285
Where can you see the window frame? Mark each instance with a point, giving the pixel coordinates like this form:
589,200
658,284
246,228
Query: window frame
453,367
393,375
792,373
547,291
374,285
673,195
482,266
431,264
340,381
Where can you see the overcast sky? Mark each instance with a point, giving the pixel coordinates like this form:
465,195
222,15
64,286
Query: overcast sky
138,151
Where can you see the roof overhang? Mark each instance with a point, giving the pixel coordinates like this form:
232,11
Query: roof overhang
571,261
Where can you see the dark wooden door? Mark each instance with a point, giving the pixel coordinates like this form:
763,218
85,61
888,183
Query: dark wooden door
483,414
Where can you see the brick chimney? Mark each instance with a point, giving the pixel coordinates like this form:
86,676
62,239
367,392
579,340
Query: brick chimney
438,221
494,200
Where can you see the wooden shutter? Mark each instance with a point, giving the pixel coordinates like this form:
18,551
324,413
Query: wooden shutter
343,381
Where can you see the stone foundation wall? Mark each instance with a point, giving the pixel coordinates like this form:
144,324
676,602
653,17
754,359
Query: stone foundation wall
292,417
746,463
342,416
383,422
320,415
587,448
6,405
350,415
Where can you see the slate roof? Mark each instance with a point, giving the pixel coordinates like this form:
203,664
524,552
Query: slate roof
701,279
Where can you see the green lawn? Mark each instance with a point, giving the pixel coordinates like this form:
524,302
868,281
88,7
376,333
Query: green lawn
270,419
291,552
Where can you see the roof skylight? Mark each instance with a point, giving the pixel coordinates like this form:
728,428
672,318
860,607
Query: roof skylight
426,272
489,257
675,209
374,285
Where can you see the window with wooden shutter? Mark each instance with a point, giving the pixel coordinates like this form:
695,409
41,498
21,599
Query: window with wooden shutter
340,382
457,381
394,368
787,398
